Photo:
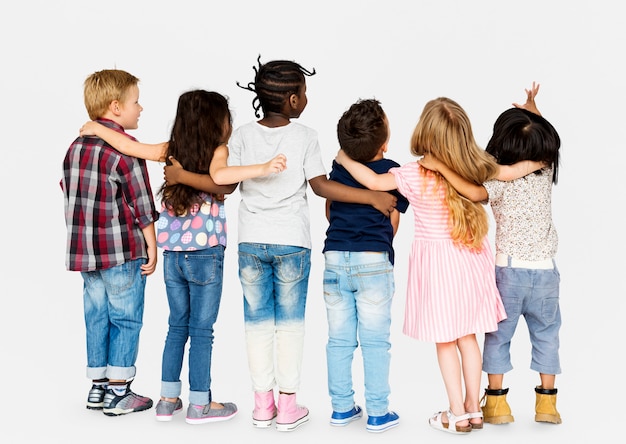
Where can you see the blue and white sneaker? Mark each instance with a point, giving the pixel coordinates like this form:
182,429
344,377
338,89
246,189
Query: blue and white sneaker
377,424
95,400
345,418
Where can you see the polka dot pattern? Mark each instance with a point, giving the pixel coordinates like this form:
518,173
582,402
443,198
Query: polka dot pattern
203,226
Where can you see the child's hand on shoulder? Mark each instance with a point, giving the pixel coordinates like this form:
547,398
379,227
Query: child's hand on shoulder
163,154
341,157
429,162
90,128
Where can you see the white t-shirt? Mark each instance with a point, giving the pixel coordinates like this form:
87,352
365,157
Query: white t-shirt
274,209
522,210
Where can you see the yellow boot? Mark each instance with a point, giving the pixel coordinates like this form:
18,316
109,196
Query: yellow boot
545,406
495,408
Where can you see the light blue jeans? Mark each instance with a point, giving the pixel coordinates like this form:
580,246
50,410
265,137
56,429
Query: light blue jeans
275,280
113,302
193,281
533,294
358,291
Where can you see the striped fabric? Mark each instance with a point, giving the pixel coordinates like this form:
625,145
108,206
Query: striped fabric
451,291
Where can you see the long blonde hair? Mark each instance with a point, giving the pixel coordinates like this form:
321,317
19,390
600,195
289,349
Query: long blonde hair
444,130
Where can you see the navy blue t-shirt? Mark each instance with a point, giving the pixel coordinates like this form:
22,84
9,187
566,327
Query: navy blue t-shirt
360,227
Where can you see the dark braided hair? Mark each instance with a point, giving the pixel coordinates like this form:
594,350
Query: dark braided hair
274,82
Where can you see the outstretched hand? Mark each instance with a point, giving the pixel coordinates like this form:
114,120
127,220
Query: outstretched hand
172,172
530,100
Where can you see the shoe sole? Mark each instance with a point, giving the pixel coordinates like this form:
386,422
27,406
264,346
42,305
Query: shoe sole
382,428
281,427
166,418
506,419
262,423
346,421
119,412
195,421
95,406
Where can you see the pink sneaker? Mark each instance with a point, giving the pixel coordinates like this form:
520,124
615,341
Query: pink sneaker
264,409
290,415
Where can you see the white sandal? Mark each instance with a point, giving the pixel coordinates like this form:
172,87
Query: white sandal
474,415
450,426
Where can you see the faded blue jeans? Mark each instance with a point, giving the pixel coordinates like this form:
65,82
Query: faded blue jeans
533,294
275,280
113,301
193,281
358,291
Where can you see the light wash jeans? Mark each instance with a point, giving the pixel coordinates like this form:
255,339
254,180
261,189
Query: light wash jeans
193,280
358,291
275,280
113,301
533,294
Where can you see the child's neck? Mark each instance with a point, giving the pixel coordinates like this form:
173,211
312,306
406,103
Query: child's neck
274,120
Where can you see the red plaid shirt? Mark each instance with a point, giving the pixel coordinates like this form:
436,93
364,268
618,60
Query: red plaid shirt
108,200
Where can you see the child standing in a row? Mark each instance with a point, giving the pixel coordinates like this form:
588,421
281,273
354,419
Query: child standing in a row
192,232
358,276
110,215
451,293
274,235
526,243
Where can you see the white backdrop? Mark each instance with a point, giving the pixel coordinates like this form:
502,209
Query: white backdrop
481,53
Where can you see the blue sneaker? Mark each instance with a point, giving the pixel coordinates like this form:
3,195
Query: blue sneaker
379,424
345,418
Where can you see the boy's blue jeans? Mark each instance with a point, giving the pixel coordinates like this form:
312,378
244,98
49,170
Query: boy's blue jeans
275,280
358,291
113,301
193,281
533,294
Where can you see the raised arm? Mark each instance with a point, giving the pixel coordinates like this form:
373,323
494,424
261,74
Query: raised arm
365,176
475,193
123,144
175,173
224,174
530,104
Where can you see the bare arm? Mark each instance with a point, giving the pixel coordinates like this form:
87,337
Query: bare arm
365,176
223,174
150,237
395,220
382,201
520,169
123,144
475,193
175,173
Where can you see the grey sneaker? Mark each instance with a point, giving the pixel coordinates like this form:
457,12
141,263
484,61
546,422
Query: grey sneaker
129,402
200,414
165,409
95,400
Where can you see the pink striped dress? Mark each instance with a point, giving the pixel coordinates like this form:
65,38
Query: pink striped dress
451,290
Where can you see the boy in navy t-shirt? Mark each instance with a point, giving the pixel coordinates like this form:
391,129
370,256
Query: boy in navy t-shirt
358,275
